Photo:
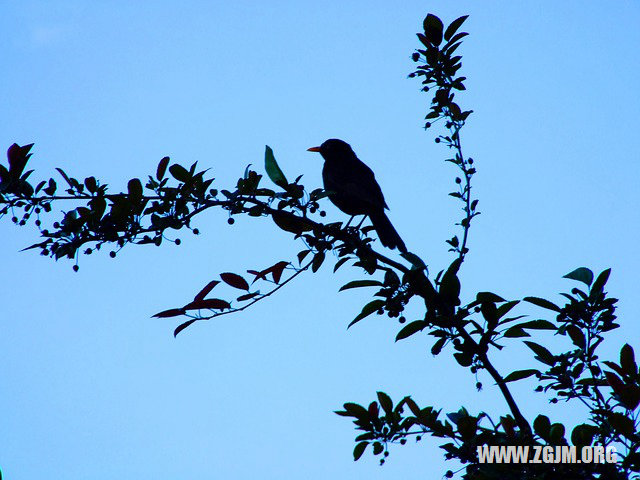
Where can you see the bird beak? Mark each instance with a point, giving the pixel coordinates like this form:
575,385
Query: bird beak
313,149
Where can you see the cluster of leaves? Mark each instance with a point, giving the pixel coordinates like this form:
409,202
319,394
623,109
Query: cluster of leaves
611,397
437,68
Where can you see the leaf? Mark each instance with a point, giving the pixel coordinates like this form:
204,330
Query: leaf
489,297
211,303
91,184
339,263
581,274
272,168
544,355
628,361
367,310
302,255
515,332
316,263
576,335
599,284
234,280
541,302
162,168
64,175
359,450
182,327
542,426
520,374
172,312
205,291
433,29
416,261
505,308
454,26
134,187
385,402
450,284
291,223
537,325
411,328
277,269
360,283
179,173
377,448
247,296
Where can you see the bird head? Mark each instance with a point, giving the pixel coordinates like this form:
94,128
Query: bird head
333,149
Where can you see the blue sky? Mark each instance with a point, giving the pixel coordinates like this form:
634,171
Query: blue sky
95,388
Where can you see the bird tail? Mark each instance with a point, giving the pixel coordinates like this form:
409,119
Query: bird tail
387,234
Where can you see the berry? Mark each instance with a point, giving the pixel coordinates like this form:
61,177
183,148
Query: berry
323,213
437,140
402,319
458,180
112,254
76,268
178,241
14,219
196,231
449,474
231,221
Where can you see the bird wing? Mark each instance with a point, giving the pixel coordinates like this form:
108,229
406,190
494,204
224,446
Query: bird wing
357,181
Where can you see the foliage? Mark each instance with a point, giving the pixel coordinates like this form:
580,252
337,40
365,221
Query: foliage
170,199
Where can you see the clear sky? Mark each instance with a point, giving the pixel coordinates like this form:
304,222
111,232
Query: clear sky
92,387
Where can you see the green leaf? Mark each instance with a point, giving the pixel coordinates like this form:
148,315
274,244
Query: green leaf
450,285
505,308
179,173
416,261
385,402
172,312
599,284
628,360
541,302
234,280
134,187
581,274
162,168
515,332
182,327
454,26
542,354
272,168
410,329
367,310
433,28
359,450
537,325
488,297
520,374
542,426
290,222
209,303
317,261
360,283
377,448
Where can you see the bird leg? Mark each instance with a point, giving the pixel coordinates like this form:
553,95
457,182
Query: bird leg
364,217
349,222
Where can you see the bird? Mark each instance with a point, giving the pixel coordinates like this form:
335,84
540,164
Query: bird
353,188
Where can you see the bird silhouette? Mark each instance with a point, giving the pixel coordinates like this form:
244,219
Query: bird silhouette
353,188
